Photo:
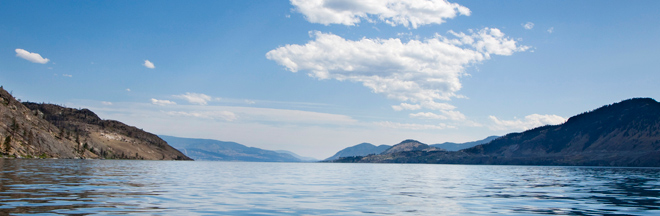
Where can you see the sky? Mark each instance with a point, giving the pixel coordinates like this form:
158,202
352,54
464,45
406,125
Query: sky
316,76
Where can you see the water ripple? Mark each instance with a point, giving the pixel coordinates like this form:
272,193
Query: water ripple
83,187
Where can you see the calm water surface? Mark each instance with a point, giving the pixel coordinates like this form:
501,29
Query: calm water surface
237,188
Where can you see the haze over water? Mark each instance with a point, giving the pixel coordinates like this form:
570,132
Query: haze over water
243,188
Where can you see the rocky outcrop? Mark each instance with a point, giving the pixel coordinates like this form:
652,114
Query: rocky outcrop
52,131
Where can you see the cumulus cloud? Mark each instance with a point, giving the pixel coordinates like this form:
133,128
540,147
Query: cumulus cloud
33,57
408,126
408,13
416,72
162,102
195,98
148,64
529,122
528,25
551,29
222,115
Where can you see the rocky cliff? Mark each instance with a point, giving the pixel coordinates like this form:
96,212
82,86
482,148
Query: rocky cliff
52,131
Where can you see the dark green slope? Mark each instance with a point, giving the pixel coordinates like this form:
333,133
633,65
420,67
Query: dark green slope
361,149
622,134
450,146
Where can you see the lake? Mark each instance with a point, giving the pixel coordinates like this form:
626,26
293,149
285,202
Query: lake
248,188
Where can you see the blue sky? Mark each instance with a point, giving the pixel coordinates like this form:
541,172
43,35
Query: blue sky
314,78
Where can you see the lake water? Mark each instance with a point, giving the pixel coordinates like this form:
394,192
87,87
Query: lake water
243,188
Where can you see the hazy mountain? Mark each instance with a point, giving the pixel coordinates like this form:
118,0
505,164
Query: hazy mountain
302,158
214,150
622,134
361,149
450,146
51,131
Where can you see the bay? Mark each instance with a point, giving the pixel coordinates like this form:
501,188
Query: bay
111,187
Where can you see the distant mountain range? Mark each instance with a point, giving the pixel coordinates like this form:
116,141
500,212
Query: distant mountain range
302,158
364,149
214,150
622,134
42,130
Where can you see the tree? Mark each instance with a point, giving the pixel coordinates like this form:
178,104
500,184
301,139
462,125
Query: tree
7,144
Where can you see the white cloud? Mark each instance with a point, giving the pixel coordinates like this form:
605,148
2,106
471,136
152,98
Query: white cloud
250,102
106,103
195,98
530,121
67,75
427,115
162,102
406,106
396,125
528,25
551,29
445,114
224,115
128,90
453,115
413,13
33,57
148,64
419,72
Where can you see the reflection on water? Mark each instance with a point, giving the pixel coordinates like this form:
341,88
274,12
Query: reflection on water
234,188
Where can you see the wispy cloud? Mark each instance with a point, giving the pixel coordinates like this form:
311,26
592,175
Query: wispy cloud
528,25
551,29
427,115
67,75
106,103
195,98
223,115
529,122
149,64
162,102
411,13
32,57
409,126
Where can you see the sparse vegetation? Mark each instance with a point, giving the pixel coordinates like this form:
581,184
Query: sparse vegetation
46,130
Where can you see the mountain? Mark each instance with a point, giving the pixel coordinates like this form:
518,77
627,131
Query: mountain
52,131
450,146
621,134
214,150
410,145
361,149
301,158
